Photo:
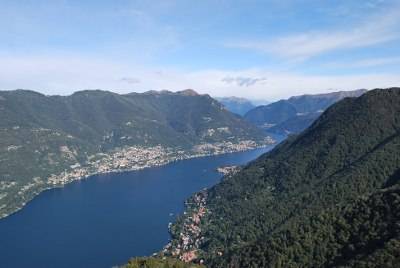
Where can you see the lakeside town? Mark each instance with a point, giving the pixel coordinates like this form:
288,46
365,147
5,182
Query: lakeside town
138,157
125,159
228,170
186,231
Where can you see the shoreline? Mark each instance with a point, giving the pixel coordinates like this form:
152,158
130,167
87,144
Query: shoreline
186,155
185,231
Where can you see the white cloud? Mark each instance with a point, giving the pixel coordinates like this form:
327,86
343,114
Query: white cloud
375,30
243,81
64,75
286,84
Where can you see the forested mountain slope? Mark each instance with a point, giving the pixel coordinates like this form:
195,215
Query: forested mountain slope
43,136
101,118
329,197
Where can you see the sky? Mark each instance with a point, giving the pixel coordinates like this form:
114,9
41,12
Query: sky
254,49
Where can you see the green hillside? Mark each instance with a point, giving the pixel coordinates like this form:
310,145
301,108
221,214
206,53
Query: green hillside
43,136
326,198
363,234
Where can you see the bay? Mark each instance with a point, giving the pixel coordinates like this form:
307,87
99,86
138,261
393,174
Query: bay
106,219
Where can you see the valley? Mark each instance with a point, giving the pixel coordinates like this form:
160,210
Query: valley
199,134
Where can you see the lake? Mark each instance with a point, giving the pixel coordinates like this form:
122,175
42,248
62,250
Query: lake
106,219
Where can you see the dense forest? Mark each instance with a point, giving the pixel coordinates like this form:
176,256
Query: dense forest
329,197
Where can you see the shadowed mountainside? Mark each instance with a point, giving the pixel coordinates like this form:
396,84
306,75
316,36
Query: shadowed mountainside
296,113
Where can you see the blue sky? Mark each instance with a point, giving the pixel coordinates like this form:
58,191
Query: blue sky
254,49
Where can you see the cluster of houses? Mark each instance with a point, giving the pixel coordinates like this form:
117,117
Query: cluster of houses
127,158
138,157
228,170
230,147
186,245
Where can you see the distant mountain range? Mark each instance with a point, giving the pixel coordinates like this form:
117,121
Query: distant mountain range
329,197
296,113
236,105
59,136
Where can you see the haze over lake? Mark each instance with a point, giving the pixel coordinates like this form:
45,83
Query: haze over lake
105,220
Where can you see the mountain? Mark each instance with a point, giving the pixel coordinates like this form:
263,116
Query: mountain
329,197
47,141
296,113
236,105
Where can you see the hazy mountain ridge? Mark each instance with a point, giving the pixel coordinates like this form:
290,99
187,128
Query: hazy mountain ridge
236,105
296,113
327,198
41,136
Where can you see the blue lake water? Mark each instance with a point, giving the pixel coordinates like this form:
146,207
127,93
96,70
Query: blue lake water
106,219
